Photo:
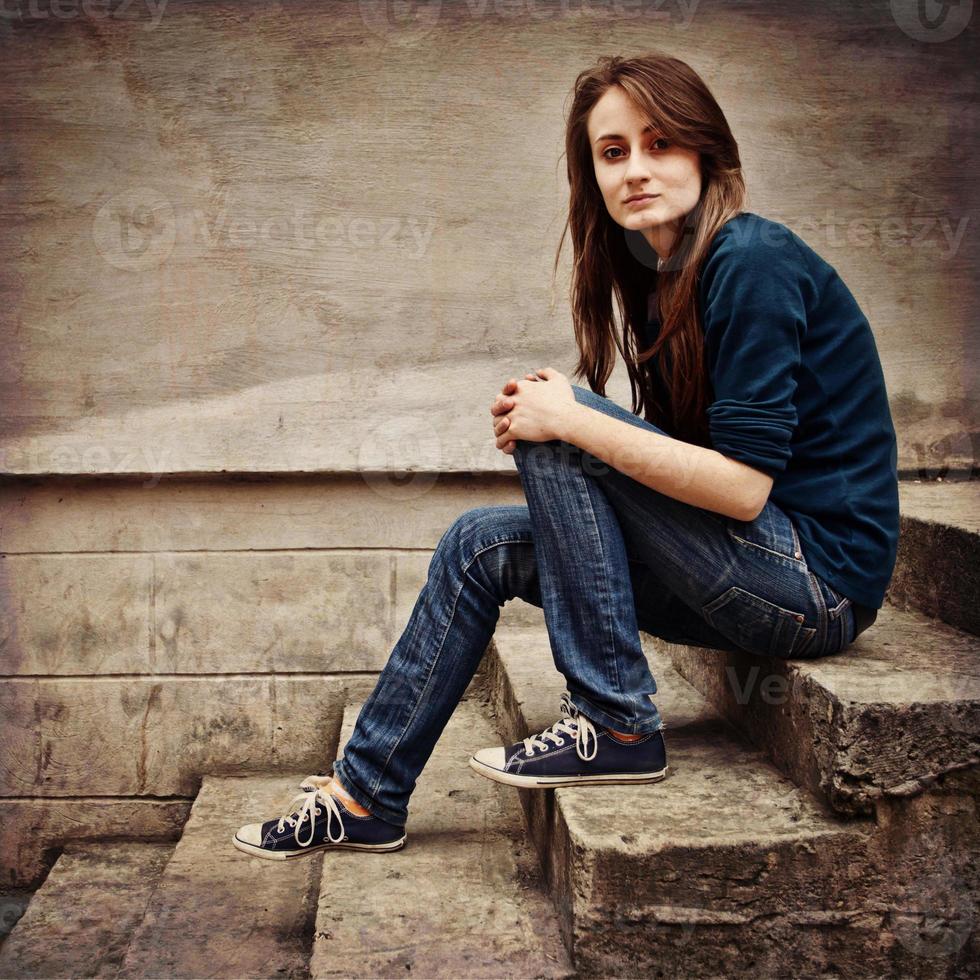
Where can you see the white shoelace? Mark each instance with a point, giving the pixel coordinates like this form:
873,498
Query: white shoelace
310,809
573,723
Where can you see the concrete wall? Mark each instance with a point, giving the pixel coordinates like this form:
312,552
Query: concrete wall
299,236
151,635
291,238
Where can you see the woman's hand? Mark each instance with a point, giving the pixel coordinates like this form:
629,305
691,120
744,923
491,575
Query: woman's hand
536,411
502,404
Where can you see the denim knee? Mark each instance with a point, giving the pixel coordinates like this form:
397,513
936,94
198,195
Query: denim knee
539,457
473,530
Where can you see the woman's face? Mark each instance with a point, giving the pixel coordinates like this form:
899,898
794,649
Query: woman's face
630,159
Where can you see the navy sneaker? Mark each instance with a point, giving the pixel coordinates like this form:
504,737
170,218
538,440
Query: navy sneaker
559,756
308,829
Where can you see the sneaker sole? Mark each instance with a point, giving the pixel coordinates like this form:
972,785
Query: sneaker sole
549,782
285,855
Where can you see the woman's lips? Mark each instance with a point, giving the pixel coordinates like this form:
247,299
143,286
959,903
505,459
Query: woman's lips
637,202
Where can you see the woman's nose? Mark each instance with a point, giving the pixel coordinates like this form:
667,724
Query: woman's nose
637,168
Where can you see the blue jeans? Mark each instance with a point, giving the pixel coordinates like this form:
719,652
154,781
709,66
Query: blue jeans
604,556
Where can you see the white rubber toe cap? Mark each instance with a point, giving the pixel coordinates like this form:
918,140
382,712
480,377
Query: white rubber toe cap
251,833
494,758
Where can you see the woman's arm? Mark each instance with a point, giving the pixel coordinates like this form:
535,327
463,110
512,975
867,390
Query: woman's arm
682,470
706,478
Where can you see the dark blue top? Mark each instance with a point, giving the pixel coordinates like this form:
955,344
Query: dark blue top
799,394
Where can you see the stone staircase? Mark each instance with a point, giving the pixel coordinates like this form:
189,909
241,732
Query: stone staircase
819,819
462,899
726,867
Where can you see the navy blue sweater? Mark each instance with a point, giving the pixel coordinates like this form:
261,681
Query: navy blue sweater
799,394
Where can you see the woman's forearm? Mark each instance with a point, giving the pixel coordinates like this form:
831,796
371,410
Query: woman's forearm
687,472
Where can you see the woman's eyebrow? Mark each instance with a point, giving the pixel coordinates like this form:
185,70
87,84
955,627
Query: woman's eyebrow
616,136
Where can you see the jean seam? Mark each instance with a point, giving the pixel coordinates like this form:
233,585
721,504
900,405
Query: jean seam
797,547
604,586
797,562
821,603
839,608
438,654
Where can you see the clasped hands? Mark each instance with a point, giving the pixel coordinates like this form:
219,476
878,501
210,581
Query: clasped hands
538,408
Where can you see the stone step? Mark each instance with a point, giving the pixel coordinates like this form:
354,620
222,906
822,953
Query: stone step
462,898
890,715
725,867
937,571
220,913
80,921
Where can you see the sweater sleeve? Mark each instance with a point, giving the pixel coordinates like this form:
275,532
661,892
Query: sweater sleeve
754,319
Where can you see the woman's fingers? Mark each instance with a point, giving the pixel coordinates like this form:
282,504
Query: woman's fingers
501,404
506,393
505,445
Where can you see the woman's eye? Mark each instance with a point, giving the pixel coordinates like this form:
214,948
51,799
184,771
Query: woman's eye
661,143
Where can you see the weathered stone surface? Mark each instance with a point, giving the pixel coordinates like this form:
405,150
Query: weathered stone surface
75,614
326,611
647,941
33,832
80,921
463,898
217,912
725,853
225,513
157,735
336,609
884,717
938,567
517,612
953,503
932,904
201,613
411,572
240,272
13,904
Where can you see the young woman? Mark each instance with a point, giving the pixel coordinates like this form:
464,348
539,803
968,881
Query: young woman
754,505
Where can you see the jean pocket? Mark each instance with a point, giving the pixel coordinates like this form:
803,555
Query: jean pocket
772,534
757,625
836,603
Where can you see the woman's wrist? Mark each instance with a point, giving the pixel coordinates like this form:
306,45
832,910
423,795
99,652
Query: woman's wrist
569,422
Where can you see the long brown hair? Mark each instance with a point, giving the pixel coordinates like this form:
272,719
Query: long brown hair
610,261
